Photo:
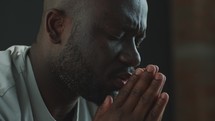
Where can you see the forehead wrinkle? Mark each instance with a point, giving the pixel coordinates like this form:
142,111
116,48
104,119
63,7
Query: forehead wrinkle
135,15
126,14
144,14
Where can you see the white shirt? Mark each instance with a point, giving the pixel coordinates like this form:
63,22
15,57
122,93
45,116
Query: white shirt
20,99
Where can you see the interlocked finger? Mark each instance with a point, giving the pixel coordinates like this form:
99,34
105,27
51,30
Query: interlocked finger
149,97
156,113
124,92
140,87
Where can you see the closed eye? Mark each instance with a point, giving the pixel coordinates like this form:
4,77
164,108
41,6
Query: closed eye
116,36
139,39
113,37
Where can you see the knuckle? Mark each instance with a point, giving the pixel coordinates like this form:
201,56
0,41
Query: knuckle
154,114
155,84
121,113
160,103
136,93
145,99
133,77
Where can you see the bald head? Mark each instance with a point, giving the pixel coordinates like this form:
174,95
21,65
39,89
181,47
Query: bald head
63,5
87,10
49,4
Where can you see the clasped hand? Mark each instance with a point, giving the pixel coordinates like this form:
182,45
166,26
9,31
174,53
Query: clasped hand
141,99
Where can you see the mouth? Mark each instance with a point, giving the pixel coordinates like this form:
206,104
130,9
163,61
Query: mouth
121,80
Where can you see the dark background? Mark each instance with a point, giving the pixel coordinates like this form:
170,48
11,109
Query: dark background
20,19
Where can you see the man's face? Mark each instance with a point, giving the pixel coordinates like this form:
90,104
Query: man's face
101,53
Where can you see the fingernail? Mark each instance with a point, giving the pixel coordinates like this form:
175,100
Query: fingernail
159,76
164,96
157,68
150,68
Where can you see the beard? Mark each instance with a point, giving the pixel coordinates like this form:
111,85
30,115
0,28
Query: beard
73,72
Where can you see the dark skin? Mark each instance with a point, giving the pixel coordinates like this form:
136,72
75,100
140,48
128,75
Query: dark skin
92,55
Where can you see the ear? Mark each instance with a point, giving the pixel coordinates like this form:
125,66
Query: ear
55,25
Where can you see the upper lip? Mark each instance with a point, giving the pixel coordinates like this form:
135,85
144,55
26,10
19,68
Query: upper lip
124,76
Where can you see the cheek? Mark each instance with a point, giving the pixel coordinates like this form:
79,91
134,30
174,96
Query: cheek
107,52
106,57
101,54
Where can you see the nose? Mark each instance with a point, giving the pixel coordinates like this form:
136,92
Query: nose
129,55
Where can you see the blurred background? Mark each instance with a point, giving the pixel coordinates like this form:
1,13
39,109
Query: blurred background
193,51
180,40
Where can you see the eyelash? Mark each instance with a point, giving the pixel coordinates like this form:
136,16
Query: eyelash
118,36
113,38
139,40
137,43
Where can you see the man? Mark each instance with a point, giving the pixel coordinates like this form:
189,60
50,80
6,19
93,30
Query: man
85,56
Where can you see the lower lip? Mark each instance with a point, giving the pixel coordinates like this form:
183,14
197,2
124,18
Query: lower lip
119,83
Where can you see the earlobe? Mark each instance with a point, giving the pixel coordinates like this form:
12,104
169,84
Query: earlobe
55,25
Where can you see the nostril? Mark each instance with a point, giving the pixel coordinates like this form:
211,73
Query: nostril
130,59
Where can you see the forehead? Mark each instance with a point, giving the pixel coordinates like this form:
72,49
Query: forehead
123,13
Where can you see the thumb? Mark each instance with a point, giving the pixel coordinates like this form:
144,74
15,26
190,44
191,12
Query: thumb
104,107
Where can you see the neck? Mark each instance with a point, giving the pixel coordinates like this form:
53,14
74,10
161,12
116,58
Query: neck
58,99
